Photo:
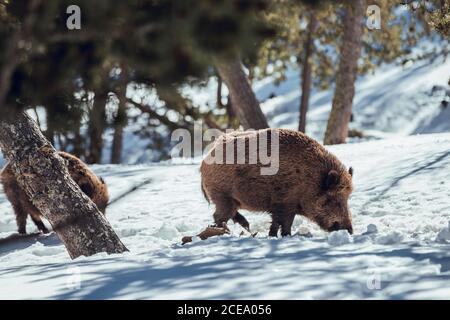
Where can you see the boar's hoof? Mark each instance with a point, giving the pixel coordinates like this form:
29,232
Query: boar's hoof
285,234
240,219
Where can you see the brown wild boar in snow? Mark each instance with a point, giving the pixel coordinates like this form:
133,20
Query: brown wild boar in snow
93,186
310,181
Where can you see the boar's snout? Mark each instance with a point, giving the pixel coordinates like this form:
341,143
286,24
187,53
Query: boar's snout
337,226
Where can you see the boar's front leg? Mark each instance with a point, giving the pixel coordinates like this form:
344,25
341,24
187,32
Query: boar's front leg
274,227
286,224
281,217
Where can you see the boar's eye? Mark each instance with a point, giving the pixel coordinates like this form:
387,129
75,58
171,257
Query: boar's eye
331,180
350,171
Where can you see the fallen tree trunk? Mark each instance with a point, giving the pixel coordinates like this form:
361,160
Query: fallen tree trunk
45,178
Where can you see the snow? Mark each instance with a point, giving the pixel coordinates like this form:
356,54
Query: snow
444,235
399,249
338,238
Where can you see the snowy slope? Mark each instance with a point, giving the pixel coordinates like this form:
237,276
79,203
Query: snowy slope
394,101
402,196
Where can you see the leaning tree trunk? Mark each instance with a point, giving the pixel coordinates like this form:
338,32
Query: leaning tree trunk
45,178
306,72
97,121
341,111
243,99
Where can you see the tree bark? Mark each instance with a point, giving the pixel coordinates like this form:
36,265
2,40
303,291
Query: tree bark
341,111
306,72
97,121
43,175
243,99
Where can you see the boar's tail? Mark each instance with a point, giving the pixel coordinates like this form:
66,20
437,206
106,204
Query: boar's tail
204,194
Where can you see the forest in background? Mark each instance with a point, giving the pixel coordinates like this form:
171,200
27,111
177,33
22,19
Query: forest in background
129,65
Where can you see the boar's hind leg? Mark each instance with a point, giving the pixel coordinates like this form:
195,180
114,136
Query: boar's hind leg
225,209
21,218
14,195
286,224
239,218
36,217
274,227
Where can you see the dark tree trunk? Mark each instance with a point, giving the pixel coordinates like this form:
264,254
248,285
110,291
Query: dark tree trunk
97,121
120,121
341,111
11,56
233,122
306,72
243,99
45,178
219,92
51,126
78,149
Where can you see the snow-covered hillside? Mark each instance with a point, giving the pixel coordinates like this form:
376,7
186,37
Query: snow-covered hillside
396,100
401,214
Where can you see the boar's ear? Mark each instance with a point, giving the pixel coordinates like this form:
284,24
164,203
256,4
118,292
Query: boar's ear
350,170
331,180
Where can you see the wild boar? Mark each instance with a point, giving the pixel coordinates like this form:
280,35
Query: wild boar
310,181
93,186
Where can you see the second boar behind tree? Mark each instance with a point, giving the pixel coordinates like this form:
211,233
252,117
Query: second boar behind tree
93,186
310,181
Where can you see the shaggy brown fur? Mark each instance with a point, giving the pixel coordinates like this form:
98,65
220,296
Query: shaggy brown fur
310,181
94,187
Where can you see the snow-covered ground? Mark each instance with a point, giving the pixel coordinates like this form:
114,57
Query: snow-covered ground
401,214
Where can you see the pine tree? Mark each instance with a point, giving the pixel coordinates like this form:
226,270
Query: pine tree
243,100
341,111
307,72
